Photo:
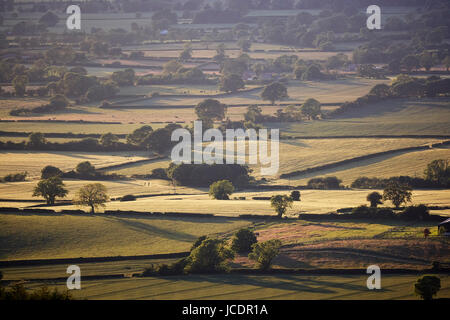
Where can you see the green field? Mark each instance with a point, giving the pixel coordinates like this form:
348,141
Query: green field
235,287
67,236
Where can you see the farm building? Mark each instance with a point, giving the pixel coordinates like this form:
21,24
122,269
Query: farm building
444,227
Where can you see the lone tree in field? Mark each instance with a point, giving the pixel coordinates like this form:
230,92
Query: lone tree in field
281,204
264,253
50,189
50,171
274,91
397,193
375,199
221,190
243,240
427,287
92,195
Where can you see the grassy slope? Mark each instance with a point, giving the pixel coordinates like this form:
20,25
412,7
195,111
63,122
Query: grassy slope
393,117
409,163
34,237
33,162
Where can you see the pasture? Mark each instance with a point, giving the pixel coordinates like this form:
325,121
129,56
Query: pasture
381,167
67,236
251,287
391,117
34,161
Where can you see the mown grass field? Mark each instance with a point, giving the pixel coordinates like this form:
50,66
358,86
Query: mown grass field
198,201
235,287
34,161
66,236
24,190
396,117
397,164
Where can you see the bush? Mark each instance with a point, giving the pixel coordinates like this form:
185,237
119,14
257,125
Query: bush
18,292
159,173
14,177
243,240
264,253
50,171
295,195
128,197
210,256
419,212
427,287
364,212
221,190
325,183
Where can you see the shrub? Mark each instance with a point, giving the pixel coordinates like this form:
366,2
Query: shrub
325,183
14,177
427,287
18,292
295,195
243,240
198,242
210,256
221,190
419,212
159,173
128,197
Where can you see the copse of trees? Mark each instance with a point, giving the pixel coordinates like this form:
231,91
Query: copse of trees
203,175
209,257
403,86
325,183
